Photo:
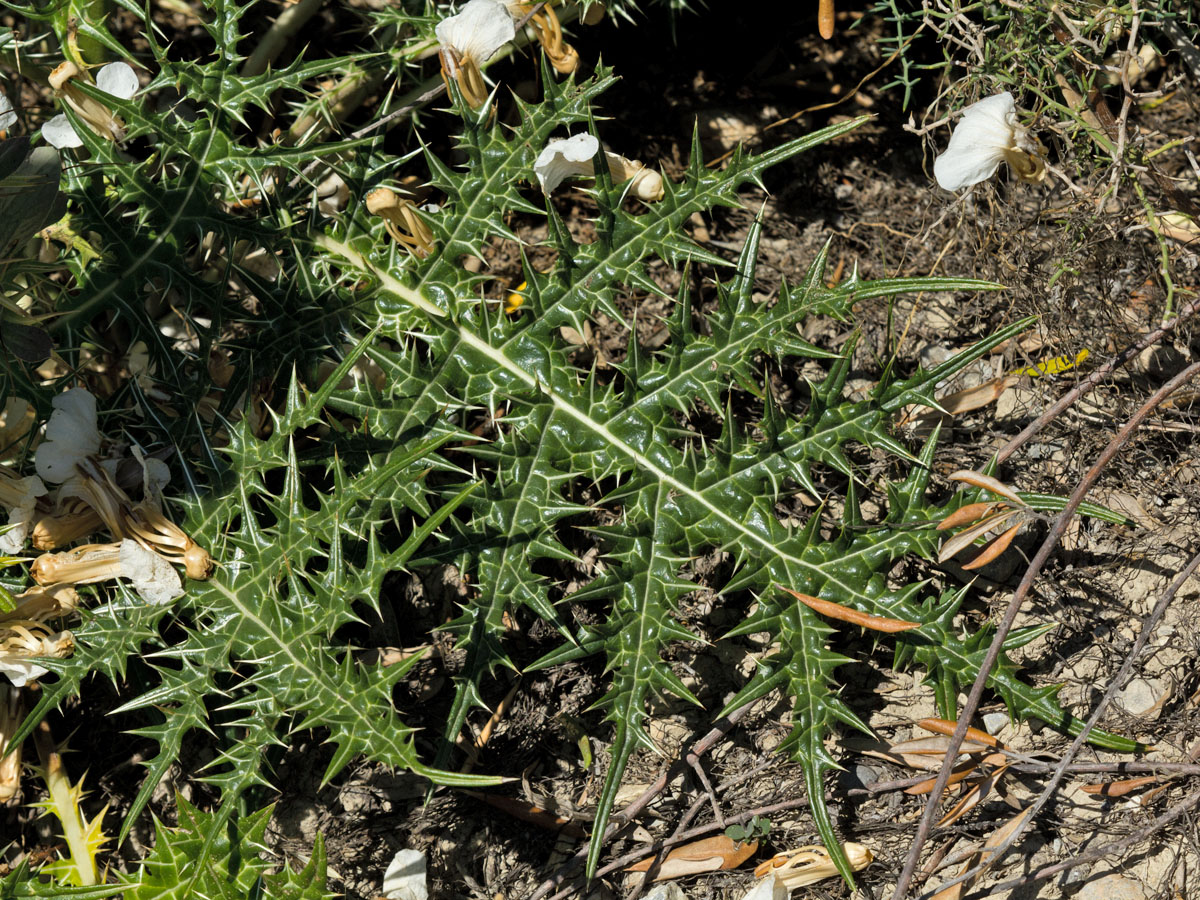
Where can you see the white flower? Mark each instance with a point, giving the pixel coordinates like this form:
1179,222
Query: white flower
7,116
20,496
564,158
988,135
769,888
20,671
71,435
155,579
18,642
478,31
116,79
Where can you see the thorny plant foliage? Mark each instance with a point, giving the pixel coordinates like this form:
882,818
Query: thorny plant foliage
203,237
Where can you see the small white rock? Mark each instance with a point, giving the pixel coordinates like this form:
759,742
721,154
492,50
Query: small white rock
995,722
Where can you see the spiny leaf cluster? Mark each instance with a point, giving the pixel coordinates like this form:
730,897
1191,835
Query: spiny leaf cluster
311,494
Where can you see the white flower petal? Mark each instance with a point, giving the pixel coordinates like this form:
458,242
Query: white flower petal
769,888
564,158
7,116
59,133
71,435
405,877
977,146
155,579
20,671
74,419
12,541
56,461
118,79
481,29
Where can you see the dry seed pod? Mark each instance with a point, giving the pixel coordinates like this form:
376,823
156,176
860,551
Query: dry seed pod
152,576
52,532
402,222
42,603
142,522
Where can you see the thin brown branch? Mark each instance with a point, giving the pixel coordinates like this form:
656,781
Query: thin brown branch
1031,574
1111,848
1118,682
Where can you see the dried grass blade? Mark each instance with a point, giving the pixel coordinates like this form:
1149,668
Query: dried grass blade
973,797
956,775
998,837
977,397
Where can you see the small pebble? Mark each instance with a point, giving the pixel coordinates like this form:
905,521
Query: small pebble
994,723
1111,887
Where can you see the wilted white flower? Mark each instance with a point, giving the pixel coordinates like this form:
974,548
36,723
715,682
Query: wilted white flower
401,221
116,79
769,888
478,31
7,116
987,135
19,496
563,158
18,643
470,39
71,435
155,579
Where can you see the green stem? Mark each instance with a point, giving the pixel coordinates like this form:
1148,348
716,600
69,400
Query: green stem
64,803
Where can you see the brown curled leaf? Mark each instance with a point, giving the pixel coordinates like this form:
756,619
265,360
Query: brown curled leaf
974,795
946,727
993,549
964,539
1119,788
531,813
956,775
967,514
925,754
988,483
853,616
707,855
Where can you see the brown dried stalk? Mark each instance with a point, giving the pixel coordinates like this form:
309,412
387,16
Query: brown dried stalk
1035,567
